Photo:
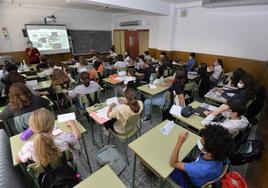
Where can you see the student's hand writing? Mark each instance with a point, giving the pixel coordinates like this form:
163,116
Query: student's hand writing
70,123
112,105
182,137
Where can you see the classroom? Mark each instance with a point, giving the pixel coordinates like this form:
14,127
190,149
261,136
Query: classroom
133,93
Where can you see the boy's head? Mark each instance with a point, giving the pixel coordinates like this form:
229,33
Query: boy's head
237,107
217,141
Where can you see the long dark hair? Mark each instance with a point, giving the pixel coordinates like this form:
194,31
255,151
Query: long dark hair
220,62
181,76
237,74
249,86
13,77
85,79
130,95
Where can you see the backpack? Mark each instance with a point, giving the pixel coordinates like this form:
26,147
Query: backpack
233,180
60,177
110,155
249,151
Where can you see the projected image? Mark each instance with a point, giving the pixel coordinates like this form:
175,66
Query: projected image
49,39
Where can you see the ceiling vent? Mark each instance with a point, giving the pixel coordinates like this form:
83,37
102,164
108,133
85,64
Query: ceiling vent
130,23
231,3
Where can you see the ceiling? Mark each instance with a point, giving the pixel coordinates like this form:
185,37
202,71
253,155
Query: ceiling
179,1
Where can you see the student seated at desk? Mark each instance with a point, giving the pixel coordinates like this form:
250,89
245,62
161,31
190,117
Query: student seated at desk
120,63
244,92
83,66
216,145
163,65
45,147
237,74
147,56
49,71
233,113
176,94
85,87
147,69
21,101
128,107
112,54
43,63
191,62
140,62
128,57
130,81
204,81
216,70
94,73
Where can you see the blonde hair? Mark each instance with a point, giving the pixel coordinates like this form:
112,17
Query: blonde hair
42,122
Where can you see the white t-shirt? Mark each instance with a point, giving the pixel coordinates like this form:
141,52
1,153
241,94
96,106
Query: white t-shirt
217,72
120,64
139,65
147,57
82,89
48,71
128,79
230,124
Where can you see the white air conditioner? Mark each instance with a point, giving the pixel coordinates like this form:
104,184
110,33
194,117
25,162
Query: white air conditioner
231,3
130,23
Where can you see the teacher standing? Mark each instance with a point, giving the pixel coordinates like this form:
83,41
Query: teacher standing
32,53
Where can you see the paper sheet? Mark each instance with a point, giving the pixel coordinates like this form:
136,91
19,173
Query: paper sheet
66,117
119,78
103,112
175,110
208,106
112,100
152,86
32,83
167,128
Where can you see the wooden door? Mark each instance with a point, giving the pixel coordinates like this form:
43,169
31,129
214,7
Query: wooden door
132,42
143,41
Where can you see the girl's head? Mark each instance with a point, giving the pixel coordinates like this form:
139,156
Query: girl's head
163,54
237,74
42,122
96,64
203,66
111,50
13,77
181,75
59,77
192,56
130,96
246,83
146,52
84,78
141,58
50,63
127,53
119,57
43,58
131,72
82,61
218,62
19,96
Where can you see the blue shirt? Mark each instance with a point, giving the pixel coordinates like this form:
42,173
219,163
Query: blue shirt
202,171
190,64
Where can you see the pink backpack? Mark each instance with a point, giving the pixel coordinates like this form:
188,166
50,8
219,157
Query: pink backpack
233,180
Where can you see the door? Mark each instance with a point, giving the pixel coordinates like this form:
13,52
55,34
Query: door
132,42
119,41
143,41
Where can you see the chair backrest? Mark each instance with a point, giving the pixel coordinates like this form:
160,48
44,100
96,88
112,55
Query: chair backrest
122,69
22,121
225,168
191,87
133,120
89,99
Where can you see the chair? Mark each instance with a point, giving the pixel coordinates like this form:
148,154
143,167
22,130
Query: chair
131,129
122,69
22,122
192,89
60,91
209,184
35,169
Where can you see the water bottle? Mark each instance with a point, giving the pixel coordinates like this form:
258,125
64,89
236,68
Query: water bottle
26,134
151,79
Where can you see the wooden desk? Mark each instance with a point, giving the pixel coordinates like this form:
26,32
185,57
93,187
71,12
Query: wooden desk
103,178
155,149
194,121
43,85
16,143
113,83
215,97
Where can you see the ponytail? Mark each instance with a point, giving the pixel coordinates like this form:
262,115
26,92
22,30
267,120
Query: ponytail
130,95
85,79
45,149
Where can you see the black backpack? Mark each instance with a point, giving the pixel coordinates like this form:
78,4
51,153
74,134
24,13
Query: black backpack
249,151
60,177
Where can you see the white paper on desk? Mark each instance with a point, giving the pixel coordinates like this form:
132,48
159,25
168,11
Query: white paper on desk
167,128
230,94
119,78
152,86
208,106
112,100
175,110
66,117
32,83
103,112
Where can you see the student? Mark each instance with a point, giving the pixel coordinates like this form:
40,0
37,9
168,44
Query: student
245,90
119,62
216,145
32,53
46,148
237,74
49,71
191,62
217,70
85,87
43,63
163,66
130,80
128,58
12,78
147,56
112,54
147,69
176,94
94,74
233,112
83,66
140,62
204,81
128,107
21,101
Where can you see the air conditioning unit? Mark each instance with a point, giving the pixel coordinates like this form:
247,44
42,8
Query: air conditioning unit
130,23
231,3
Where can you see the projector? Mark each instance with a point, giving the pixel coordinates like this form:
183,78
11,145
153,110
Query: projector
51,18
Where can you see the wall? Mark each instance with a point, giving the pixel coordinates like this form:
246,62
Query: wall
13,18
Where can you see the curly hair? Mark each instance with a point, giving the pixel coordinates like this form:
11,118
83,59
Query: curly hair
19,96
12,78
217,141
